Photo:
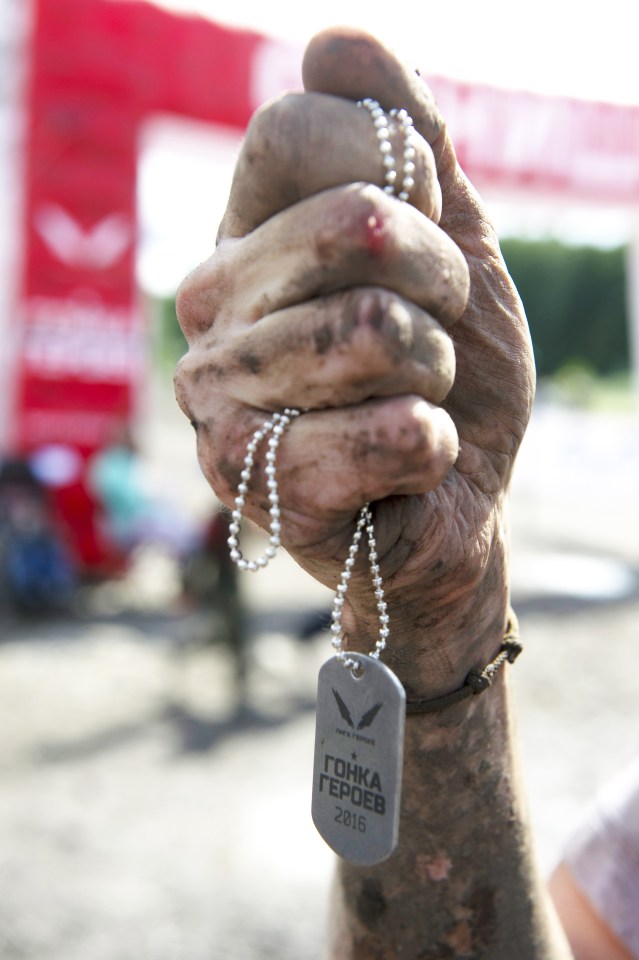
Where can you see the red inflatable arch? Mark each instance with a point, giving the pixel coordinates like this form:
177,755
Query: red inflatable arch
98,70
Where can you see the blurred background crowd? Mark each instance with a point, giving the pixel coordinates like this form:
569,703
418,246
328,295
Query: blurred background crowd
155,712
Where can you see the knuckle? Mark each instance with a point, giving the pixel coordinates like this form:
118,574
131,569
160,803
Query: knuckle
441,367
450,282
220,432
181,385
371,202
189,307
194,385
184,305
356,223
384,322
221,448
198,298
432,447
182,372
434,351
399,331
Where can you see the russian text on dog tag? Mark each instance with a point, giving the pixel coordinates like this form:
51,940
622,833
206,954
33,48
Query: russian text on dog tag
357,775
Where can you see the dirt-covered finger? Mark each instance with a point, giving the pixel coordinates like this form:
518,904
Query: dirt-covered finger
333,351
331,462
348,236
300,144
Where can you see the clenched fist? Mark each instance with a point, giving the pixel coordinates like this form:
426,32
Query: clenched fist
395,327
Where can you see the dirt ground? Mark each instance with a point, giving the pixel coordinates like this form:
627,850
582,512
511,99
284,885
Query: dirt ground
148,812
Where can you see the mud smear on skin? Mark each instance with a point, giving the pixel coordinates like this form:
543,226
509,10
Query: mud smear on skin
206,371
371,903
249,361
323,339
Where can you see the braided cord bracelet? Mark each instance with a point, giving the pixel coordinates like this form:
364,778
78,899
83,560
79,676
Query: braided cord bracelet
476,680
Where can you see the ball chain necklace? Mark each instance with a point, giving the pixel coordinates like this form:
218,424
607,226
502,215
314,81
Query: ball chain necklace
361,704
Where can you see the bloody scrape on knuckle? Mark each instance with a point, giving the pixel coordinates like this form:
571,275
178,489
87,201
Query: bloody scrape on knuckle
356,225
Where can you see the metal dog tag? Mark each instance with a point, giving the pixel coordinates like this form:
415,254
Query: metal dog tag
357,776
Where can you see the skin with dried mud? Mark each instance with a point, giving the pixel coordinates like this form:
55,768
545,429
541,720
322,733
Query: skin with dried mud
395,327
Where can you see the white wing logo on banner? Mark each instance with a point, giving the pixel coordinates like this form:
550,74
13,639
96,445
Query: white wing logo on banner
97,247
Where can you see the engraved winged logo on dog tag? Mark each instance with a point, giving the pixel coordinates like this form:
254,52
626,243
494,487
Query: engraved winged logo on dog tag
357,774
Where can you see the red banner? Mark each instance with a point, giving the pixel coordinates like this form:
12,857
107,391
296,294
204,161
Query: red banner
514,141
98,70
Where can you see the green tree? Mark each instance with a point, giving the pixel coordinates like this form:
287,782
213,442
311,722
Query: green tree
575,302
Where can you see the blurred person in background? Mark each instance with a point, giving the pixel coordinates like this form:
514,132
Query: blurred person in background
595,887
37,570
210,580
133,513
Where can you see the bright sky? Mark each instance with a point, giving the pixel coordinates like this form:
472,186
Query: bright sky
549,46
553,46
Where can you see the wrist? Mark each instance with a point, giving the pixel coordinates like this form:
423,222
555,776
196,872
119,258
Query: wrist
477,680
437,640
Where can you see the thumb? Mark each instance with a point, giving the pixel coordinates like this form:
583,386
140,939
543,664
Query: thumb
350,63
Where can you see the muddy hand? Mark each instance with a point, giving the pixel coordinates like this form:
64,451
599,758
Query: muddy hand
396,326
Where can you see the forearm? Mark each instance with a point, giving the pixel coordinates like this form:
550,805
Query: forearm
463,882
